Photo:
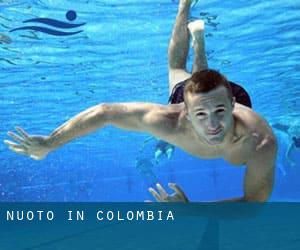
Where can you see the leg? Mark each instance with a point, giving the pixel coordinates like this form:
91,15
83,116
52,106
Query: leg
196,29
179,46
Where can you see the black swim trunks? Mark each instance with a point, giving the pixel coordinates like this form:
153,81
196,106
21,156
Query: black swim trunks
240,94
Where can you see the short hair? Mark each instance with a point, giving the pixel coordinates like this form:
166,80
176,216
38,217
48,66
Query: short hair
205,81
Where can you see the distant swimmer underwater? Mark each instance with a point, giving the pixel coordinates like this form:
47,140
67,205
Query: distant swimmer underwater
208,117
291,128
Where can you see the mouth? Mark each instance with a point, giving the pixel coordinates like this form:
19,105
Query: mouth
215,131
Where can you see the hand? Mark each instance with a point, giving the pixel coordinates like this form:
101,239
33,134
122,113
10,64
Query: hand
163,196
33,146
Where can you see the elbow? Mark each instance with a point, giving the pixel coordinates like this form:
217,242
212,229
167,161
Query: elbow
94,117
103,110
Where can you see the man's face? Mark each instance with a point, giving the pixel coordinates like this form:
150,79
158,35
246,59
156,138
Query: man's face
210,114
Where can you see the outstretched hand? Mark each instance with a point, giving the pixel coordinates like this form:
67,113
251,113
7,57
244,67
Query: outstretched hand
163,196
33,146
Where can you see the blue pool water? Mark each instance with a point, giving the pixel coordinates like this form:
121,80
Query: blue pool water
121,55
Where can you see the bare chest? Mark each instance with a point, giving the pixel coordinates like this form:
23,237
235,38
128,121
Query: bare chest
235,153
238,153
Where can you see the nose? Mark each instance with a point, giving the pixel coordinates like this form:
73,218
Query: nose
213,123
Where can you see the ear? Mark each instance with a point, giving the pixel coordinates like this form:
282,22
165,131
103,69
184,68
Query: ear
188,116
233,101
186,113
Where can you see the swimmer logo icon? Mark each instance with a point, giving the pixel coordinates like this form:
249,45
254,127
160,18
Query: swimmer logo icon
71,15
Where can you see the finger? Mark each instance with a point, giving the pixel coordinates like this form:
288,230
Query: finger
154,194
18,150
161,190
12,144
177,189
9,143
16,137
23,133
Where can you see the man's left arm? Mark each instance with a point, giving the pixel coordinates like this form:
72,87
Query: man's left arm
259,177
258,180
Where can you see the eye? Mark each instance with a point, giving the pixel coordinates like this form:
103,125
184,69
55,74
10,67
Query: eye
201,114
220,111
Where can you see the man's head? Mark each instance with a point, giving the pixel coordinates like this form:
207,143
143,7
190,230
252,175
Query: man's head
209,103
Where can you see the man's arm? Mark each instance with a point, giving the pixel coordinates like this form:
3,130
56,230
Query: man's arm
147,117
143,117
259,177
258,180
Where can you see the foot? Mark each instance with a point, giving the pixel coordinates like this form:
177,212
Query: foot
158,155
196,29
187,3
190,2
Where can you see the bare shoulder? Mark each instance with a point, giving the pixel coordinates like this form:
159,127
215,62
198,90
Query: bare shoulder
253,126
166,118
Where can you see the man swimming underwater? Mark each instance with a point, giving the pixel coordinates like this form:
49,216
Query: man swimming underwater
292,129
208,118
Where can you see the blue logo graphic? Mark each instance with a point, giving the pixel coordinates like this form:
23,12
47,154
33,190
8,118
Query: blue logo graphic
70,16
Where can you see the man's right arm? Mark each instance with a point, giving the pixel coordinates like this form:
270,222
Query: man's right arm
145,117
